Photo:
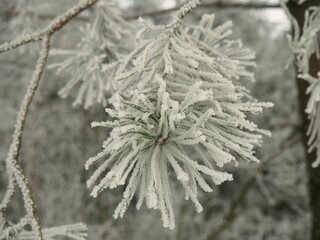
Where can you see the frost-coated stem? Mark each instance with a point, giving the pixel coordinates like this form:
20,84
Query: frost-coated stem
9,191
54,26
15,172
185,9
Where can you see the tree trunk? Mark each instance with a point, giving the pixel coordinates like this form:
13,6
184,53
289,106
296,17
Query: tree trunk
298,11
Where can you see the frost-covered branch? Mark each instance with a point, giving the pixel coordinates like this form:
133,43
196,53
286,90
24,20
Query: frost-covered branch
16,175
54,26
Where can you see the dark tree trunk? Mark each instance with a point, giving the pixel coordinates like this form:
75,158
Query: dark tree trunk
298,12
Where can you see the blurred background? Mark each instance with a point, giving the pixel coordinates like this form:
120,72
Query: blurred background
266,201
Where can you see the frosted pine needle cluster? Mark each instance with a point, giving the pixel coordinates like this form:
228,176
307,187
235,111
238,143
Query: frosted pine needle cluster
304,47
308,43
107,40
179,94
313,110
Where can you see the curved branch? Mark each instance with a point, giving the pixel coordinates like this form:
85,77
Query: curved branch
13,166
15,172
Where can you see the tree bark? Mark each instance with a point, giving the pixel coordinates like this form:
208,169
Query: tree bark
298,11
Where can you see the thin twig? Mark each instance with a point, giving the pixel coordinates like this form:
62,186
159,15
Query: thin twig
54,26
